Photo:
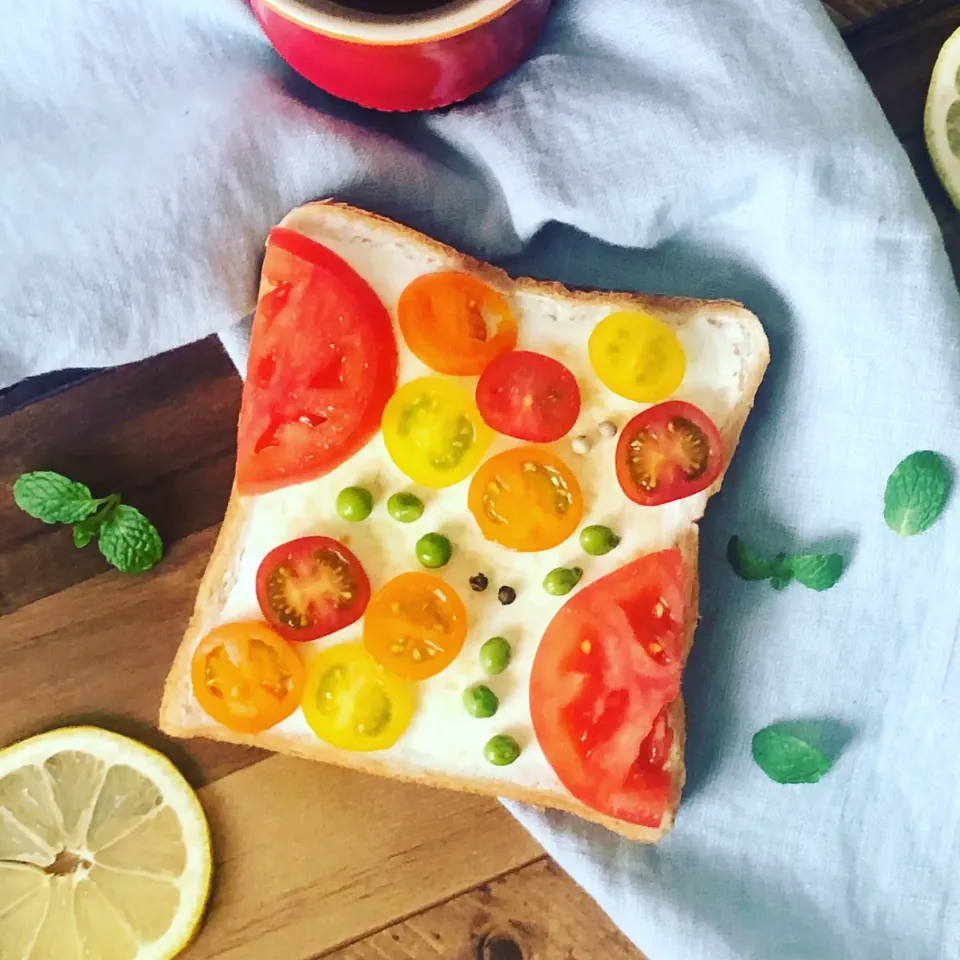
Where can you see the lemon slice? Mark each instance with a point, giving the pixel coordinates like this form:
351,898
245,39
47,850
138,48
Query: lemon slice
941,120
104,850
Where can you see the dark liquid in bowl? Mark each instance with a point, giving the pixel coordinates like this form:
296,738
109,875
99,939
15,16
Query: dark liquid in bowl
399,7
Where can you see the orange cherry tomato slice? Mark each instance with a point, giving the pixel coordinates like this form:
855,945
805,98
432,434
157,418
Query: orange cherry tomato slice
525,499
247,677
415,626
446,320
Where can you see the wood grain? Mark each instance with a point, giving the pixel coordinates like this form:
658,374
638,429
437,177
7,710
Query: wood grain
162,433
530,914
312,856
850,12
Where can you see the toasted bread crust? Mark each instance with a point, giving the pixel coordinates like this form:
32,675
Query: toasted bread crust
217,578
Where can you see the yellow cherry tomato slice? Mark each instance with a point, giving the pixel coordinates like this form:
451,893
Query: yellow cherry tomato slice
352,703
446,320
637,356
415,625
246,676
434,432
526,499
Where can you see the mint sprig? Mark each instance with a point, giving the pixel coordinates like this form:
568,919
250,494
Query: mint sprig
786,757
127,539
817,571
917,492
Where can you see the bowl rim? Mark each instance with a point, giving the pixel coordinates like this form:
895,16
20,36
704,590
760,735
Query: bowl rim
332,20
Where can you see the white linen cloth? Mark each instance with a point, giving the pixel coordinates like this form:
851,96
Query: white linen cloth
726,149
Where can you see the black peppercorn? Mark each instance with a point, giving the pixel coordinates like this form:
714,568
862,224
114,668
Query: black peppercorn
479,582
506,595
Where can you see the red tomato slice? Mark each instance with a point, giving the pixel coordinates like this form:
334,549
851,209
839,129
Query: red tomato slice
311,587
605,673
528,396
323,363
670,451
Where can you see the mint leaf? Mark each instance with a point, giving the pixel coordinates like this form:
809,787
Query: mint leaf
746,564
818,571
787,758
53,498
916,493
129,540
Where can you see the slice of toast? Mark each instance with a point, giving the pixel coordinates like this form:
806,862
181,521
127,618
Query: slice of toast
727,354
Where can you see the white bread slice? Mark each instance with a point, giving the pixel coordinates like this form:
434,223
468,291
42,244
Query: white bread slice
385,253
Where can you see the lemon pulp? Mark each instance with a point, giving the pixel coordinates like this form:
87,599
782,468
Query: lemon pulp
104,850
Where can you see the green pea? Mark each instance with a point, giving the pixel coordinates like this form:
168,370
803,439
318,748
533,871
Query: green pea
480,701
354,503
405,507
598,540
495,655
561,580
501,750
434,550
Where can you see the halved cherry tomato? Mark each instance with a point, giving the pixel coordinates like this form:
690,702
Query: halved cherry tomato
637,356
311,587
446,317
323,363
415,626
352,703
603,678
668,452
434,432
528,396
246,676
525,499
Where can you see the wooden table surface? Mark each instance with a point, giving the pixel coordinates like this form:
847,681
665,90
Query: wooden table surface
312,861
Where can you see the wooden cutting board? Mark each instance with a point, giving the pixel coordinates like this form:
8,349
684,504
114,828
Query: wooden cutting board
311,861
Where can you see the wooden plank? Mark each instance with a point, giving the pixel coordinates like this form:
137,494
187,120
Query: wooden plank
535,913
162,432
37,388
850,12
311,856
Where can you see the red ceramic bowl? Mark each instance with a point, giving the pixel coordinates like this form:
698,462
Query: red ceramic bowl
413,61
